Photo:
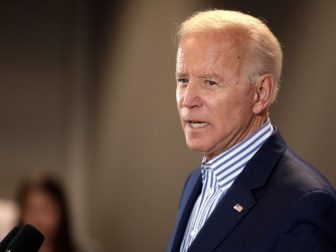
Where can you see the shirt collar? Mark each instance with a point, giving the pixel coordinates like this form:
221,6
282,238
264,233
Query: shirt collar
237,156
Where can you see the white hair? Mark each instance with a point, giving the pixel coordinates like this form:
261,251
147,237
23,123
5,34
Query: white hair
261,49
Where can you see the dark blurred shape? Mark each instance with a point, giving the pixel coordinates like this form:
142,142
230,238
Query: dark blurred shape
28,239
8,238
42,204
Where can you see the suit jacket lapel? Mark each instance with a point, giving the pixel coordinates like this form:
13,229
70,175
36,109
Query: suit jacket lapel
192,190
225,217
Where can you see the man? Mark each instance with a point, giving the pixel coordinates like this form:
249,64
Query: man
251,192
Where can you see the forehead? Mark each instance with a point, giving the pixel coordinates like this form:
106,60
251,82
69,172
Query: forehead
207,51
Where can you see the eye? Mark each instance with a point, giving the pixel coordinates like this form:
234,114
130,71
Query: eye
210,83
182,81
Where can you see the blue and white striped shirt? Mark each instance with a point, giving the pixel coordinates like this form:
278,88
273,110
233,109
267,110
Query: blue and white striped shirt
218,175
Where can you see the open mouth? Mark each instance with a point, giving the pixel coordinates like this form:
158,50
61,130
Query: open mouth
196,124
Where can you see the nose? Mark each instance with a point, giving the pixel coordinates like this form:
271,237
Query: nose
191,96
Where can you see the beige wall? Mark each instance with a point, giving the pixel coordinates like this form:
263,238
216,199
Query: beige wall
141,158
102,115
305,111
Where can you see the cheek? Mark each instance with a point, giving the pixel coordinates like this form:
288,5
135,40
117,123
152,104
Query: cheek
225,109
49,224
179,98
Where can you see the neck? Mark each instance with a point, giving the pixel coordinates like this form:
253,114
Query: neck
251,126
47,247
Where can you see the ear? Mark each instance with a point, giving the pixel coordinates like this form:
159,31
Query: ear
263,93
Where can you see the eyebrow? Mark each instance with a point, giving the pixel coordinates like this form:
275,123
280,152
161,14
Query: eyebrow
202,76
207,76
180,74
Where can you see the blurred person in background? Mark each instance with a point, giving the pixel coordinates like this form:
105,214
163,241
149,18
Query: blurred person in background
42,203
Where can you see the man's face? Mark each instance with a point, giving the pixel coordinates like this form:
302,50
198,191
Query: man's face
215,106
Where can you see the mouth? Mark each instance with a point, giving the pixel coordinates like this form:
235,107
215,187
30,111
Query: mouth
197,124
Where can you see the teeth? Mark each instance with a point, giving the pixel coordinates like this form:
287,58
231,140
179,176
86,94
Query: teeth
198,124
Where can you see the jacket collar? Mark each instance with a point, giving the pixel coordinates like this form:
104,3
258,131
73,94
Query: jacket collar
193,187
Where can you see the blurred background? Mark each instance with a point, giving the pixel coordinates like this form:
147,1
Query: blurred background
87,93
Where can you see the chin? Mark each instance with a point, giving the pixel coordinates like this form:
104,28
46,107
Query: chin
196,146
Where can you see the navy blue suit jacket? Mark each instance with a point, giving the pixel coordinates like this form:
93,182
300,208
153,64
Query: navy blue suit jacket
287,206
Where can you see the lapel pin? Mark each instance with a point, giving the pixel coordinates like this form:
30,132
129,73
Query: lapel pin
238,208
